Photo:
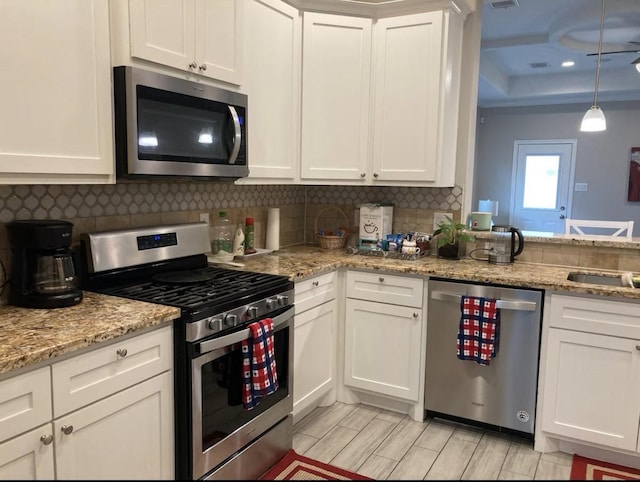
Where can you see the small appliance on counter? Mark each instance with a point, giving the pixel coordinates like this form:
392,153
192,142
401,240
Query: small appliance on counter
42,269
504,244
376,223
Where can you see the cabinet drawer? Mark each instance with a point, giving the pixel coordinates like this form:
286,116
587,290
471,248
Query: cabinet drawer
606,317
385,288
25,402
315,291
86,378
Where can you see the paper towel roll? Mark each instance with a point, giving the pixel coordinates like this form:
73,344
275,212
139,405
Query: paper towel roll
273,229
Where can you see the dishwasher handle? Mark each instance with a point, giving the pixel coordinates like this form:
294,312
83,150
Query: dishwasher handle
501,304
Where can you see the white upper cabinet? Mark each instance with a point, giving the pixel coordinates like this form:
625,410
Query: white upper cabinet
198,36
380,103
272,42
55,93
336,75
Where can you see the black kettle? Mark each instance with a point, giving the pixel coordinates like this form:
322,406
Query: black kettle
504,244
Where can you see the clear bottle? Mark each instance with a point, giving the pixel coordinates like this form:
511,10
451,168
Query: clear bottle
249,237
223,234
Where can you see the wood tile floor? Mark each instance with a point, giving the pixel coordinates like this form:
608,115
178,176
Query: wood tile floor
387,445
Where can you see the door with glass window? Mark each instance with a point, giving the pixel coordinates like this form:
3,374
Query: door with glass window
541,187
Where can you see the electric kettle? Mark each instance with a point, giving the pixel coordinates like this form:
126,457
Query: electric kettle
504,244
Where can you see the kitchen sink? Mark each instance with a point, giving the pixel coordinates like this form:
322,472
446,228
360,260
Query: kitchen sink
597,279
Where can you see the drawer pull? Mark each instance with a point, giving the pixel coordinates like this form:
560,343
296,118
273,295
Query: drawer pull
67,429
381,279
415,315
638,347
46,439
121,352
316,283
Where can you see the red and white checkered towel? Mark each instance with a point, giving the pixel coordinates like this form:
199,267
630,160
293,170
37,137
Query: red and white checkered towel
479,330
259,377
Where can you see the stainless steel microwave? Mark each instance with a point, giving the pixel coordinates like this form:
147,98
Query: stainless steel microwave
166,126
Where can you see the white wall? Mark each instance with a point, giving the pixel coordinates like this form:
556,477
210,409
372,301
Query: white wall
602,158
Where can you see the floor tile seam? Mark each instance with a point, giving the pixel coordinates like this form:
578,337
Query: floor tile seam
334,425
470,458
439,454
412,443
548,461
516,471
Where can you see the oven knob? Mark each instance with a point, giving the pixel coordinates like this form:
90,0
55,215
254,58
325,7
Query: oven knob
271,303
215,324
231,320
252,311
283,300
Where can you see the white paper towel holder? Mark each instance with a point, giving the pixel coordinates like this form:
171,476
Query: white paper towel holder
273,229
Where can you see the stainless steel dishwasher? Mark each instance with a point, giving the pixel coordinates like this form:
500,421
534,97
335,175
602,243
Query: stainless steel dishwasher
501,394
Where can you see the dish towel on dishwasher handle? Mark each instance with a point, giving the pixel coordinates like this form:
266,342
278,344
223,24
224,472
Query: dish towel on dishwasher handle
479,330
259,377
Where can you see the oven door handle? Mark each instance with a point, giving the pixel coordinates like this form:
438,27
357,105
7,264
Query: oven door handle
216,343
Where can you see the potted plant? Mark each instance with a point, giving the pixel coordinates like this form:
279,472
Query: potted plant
450,237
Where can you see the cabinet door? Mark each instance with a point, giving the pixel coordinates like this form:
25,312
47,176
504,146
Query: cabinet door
408,63
592,389
26,457
336,67
382,348
218,39
55,92
272,58
126,436
162,31
314,355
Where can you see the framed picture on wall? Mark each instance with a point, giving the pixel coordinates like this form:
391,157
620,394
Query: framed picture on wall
634,175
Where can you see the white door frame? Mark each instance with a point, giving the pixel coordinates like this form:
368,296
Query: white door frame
516,145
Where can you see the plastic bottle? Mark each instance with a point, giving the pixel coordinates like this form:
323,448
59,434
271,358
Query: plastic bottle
224,231
249,237
238,241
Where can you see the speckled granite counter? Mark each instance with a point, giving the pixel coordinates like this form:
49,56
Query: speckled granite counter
572,239
300,262
29,336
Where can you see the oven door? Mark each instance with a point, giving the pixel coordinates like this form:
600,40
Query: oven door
221,426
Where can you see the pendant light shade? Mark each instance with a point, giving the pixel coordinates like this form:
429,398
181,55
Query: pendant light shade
594,120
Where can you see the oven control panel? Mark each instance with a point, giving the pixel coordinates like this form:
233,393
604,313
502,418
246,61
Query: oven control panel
242,315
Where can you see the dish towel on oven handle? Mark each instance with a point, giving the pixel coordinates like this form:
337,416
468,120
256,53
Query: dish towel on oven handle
479,330
259,377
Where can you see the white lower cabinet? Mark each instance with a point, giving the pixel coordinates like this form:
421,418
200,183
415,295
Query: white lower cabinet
84,431
383,334
592,375
314,344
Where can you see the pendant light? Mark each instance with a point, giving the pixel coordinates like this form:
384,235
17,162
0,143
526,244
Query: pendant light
594,120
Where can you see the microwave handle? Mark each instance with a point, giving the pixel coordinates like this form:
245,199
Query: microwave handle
237,136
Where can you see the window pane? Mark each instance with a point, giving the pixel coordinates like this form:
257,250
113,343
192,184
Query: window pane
541,182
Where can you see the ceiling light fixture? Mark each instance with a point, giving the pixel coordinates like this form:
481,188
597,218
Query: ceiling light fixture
594,120
568,63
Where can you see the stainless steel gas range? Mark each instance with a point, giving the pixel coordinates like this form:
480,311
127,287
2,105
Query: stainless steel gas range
215,437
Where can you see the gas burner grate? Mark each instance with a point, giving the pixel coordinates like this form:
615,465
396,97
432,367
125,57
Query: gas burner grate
219,287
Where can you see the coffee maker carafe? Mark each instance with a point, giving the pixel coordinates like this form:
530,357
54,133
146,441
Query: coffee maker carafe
42,269
504,244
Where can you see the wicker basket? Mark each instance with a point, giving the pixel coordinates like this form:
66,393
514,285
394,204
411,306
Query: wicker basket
329,241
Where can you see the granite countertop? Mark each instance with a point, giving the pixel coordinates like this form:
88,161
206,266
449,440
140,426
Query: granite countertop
572,239
29,336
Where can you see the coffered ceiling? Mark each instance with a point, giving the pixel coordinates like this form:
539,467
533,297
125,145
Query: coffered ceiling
525,42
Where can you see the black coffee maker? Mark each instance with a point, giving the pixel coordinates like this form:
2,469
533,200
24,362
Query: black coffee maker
42,269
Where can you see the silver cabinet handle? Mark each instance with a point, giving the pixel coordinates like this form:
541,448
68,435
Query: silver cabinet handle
202,67
638,347
501,304
415,315
375,174
362,174
237,135
46,439
66,429
121,352
193,65
316,283
381,279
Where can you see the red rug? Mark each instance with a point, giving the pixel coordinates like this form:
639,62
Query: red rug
583,468
297,467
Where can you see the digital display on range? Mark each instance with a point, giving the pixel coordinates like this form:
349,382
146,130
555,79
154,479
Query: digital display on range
153,241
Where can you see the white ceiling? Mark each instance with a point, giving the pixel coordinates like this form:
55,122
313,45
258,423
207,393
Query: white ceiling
550,32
